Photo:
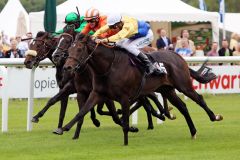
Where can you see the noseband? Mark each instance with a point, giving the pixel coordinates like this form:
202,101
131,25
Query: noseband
41,57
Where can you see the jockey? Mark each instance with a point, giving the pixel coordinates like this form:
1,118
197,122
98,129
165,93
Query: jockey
95,21
74,19
132,36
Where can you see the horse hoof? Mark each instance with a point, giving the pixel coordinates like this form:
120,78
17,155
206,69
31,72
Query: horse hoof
35,120
172,117
119,111
58,131
219,117
150,127
96,123
75,137
65,129
133,129
170,108
194,137
162,117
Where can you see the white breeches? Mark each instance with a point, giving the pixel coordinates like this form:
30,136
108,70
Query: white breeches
133,45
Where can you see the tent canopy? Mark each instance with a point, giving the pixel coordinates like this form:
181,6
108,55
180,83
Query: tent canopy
9,16
152,10
232,23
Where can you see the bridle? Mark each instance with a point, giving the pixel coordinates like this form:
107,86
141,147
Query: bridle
84,60
64,50
46,46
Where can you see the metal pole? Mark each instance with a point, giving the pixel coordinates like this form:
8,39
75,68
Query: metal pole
4,99
161,101
135,117
30,100
224,30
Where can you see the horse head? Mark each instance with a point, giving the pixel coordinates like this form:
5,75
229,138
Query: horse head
40,48
65,40
78,53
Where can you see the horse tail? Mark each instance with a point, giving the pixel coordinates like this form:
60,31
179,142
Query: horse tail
203,75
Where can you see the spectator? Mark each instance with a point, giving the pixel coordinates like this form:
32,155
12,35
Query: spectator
23,46
225,50
163,41
184,50
199,51
237,52
213,51
1,51
234,41
14,52
185,34
29,35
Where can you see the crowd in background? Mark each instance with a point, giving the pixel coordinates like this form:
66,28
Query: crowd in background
14,47
185,46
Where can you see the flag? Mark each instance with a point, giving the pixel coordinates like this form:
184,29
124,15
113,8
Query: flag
50,17
221,10
202,5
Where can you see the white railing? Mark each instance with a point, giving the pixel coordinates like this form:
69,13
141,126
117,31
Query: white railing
19,63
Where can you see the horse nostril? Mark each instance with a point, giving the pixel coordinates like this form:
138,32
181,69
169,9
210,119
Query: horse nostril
27,62
67,68
56,56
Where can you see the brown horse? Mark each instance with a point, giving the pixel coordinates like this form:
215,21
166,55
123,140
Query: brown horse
59,56
41,48
116,79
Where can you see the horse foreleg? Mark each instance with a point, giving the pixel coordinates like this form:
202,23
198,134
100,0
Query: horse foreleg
65,92
81,99
92,100
125,118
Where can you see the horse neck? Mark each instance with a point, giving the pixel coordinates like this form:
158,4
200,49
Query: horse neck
102,59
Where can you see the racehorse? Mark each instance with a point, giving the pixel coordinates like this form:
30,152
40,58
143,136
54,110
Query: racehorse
116,79
41,50
60,55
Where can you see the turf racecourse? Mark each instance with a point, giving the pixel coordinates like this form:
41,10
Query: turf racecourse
170,141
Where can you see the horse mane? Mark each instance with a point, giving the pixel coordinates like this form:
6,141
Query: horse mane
40,34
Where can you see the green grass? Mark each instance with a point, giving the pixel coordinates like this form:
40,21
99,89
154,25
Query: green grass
171,140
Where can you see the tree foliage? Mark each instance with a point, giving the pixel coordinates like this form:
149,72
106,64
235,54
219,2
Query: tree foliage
31,5
213,5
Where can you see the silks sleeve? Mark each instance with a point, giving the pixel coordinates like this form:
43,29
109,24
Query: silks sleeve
101,30
124,33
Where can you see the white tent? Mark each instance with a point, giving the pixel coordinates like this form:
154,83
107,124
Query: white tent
232,23
9,16
151,10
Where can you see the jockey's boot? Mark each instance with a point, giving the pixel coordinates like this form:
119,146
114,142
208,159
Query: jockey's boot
150,68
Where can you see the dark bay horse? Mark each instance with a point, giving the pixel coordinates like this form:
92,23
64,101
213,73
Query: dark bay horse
60,55
116,79
41,48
